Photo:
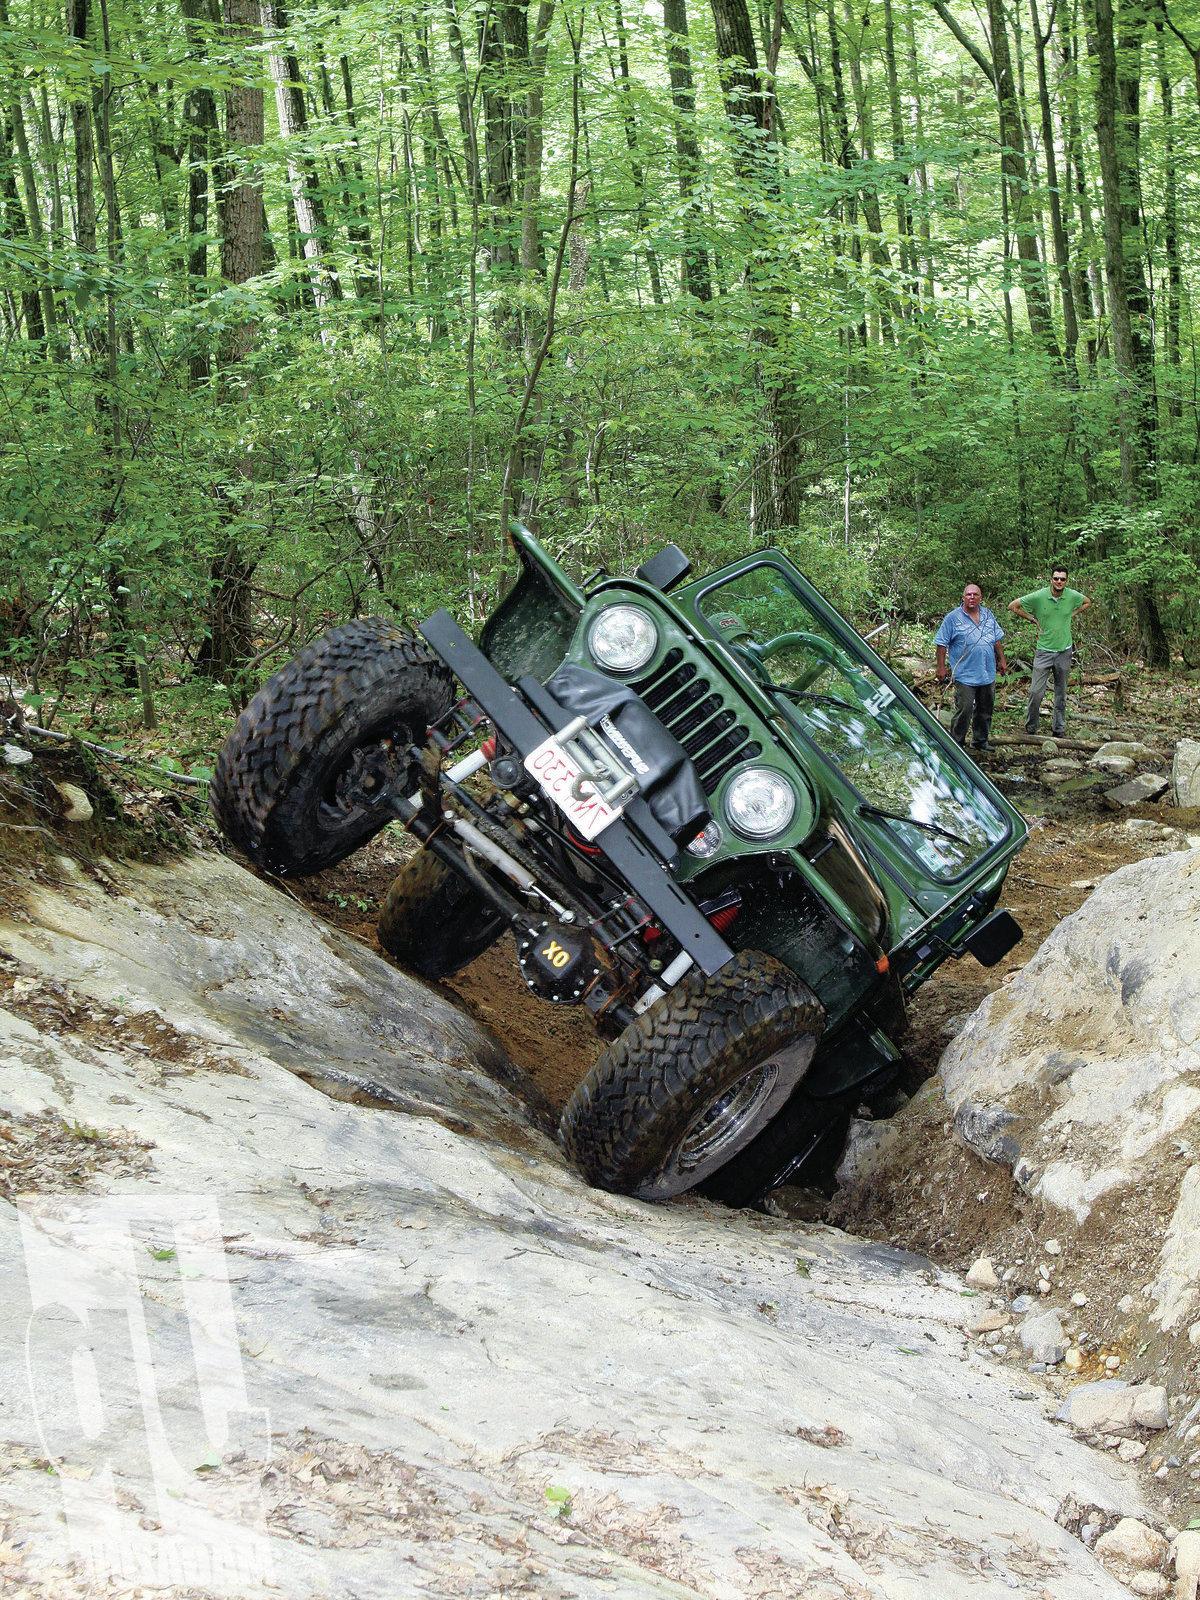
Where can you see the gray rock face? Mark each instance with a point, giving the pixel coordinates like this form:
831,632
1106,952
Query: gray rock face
1137,792
1082,1075
1185,773
436,1363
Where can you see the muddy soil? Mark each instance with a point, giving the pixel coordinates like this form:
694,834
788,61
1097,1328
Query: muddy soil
1073,843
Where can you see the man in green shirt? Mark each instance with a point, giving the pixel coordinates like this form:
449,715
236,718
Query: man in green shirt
1052,610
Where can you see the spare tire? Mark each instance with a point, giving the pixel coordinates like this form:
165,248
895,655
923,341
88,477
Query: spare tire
298,781
694,1079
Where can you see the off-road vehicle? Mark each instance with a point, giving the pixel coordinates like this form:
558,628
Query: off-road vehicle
707,811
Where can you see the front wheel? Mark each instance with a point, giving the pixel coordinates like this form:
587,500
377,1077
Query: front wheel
298,782
690,1082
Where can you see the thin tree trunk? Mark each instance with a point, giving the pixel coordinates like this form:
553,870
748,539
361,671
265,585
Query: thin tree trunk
532,259
303,182
916,122
748,110
229,643
1014,166
904,232
1129,353
351,181
16,227
202,136
1069,90
696,279
1062,259
636,165
1170,320
33,212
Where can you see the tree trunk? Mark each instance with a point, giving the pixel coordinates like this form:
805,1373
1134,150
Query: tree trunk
1129,353
33,213
904,231
636,166
532,256
303,183
1014,167
1058,230
748,110
1173,295
696,280
202,136
229,643
17,229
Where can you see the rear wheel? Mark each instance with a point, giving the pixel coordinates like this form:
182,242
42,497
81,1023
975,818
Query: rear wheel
802,1146
298,782
433,921
804,1143
693,1080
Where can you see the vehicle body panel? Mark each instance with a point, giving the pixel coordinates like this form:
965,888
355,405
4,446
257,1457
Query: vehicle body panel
863,907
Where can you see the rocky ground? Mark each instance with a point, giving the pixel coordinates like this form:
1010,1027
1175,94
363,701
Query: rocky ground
349,1326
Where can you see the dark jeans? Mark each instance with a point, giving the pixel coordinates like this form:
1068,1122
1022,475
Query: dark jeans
1046,662
973,702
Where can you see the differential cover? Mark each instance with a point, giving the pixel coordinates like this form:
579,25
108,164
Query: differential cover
557,962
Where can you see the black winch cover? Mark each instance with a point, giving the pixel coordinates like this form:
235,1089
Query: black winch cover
664,771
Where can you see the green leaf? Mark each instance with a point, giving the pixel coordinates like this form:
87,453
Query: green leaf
558,1500
163,1255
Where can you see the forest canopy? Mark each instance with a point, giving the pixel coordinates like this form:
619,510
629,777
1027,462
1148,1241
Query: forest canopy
301,305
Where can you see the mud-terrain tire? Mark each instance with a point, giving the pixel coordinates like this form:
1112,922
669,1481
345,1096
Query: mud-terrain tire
294,781
433,921
694,1079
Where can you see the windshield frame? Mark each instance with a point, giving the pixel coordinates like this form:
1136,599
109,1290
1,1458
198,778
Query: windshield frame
1015,830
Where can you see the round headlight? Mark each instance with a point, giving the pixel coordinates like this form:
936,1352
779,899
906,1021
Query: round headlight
759,803
623,638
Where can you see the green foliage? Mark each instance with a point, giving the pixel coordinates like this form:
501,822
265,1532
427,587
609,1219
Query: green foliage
335,429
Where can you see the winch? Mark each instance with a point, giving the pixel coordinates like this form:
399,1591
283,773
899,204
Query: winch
558,962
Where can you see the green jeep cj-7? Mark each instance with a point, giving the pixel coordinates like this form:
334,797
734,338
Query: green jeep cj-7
707,811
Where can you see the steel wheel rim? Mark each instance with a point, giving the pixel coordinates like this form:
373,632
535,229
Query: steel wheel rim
719,1125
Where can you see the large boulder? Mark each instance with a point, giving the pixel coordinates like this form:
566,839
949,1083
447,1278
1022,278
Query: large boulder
1081,1076
299,1292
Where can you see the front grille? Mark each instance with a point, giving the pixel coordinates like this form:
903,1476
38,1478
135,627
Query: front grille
684,701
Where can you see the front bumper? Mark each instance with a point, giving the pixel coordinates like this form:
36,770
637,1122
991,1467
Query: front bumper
636,847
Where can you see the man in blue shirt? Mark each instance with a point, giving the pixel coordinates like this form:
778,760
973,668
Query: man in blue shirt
970,636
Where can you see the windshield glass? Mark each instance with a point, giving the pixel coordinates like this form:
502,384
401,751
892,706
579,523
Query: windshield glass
855,719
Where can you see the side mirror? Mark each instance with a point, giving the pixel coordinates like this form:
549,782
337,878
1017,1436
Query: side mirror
992,939
669,567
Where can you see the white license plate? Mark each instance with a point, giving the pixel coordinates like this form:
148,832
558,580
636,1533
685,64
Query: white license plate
562,778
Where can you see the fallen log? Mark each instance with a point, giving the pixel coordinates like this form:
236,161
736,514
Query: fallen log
1031,740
